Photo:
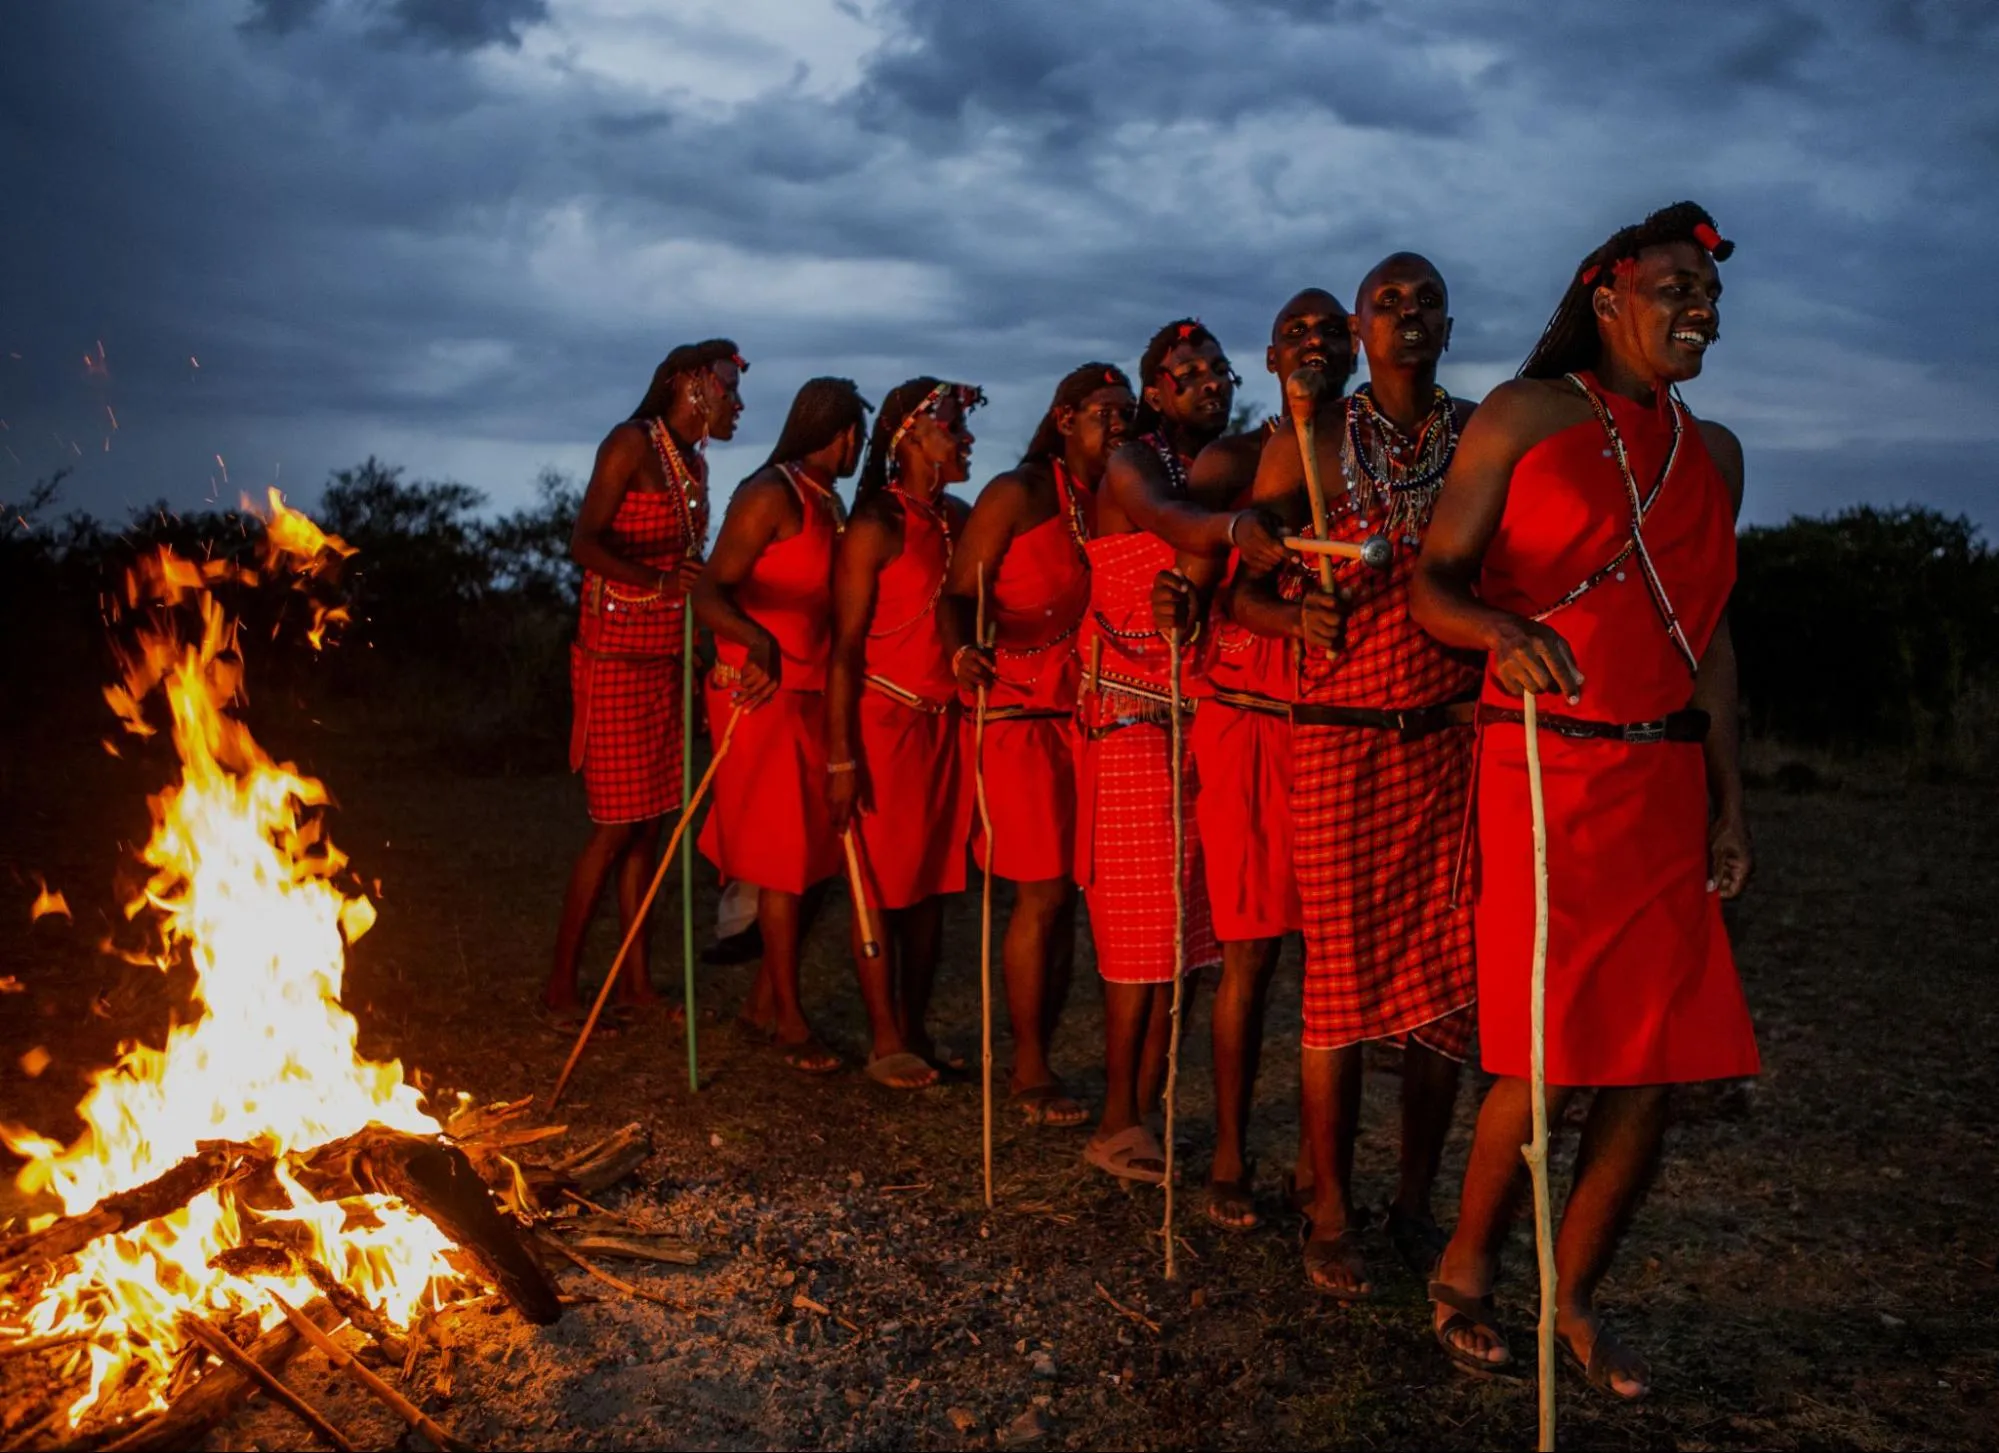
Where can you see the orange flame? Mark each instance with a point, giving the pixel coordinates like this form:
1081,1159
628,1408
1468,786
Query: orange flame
47,902
244,889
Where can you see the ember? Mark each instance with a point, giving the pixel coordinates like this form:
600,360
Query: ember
256,1159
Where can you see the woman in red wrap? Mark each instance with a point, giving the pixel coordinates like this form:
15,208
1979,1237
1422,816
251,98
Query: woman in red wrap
638,537
896,782
1585,540
767,594
1124,794
1025,542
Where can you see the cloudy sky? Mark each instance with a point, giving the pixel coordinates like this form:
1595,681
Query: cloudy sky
273,237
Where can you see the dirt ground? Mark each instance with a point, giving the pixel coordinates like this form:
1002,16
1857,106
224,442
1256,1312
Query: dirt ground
1818,1265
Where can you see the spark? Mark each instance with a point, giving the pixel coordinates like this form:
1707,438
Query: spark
113,417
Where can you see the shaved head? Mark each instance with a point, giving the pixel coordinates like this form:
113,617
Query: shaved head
1306,302
1406,266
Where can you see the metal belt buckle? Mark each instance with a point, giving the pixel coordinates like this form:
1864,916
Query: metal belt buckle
1645,732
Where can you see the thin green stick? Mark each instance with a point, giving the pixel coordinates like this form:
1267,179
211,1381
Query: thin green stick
687,859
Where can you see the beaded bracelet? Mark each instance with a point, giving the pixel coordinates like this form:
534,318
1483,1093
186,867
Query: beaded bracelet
840,766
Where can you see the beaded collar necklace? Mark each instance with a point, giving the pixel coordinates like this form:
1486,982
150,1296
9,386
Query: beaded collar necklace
1386,470
691,490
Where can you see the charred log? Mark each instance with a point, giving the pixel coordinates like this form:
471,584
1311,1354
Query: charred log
212,1166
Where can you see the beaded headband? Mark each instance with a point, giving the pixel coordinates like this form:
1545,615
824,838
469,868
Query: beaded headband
1704,233
968,395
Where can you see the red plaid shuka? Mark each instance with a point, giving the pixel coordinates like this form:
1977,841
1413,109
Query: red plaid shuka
1378,822
1124,786
625,669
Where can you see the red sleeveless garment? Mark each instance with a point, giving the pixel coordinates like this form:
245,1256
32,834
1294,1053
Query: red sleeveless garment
912,842
1642,987
1124,793
1038,596
1379,820
1241,742
625,665
770,824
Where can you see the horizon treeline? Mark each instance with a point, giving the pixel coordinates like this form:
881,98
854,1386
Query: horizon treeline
1872,628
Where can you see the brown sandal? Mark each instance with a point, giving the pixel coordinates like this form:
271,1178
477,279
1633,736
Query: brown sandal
1470,1314
1323,1253
1608,1358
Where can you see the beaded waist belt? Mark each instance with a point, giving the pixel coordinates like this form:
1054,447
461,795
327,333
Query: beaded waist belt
600,595
1690,725
903,696
1253,701
1410,723
596,655
1133,703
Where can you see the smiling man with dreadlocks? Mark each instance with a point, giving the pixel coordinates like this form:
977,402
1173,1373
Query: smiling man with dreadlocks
1027,545
1585,541
639,537
767,594
1124,835
892,712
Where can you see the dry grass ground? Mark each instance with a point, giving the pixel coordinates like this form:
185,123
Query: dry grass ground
1815,1268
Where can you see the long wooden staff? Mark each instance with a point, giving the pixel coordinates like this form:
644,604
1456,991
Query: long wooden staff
687,863
1179,931
1536,1150
1301,394
985,895
639,919
857,884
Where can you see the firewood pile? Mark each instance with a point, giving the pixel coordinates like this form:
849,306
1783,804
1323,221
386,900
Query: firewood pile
513,1225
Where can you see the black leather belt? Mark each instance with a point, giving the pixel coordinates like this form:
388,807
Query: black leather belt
1026,713
1689,725
1252,701
1409,724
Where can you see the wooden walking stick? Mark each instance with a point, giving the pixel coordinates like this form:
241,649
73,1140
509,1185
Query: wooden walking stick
1179,930
985,896
1301,395
687,863
645,906
1536,1150
857,885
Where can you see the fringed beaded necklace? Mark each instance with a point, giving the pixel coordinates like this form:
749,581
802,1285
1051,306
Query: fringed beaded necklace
942,520
1392,475
689,487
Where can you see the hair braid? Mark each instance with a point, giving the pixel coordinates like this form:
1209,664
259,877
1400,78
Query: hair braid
1570,342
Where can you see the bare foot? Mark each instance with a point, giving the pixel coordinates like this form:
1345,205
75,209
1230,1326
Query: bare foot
1334,1265
1231,1207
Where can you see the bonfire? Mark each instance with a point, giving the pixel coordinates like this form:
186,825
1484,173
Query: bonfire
256,1179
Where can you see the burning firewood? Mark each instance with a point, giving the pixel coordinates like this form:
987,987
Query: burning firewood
187,1420
213,1166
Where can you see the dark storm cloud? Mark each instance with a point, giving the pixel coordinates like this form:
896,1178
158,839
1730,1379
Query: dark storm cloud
447,25
462,233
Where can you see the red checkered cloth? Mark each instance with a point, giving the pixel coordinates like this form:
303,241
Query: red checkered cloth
1130,888
1378,823
625,671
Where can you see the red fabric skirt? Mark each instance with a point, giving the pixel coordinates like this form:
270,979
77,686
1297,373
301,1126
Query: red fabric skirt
1031,794
1244,809
1378,823
1124,855
625,733
769,823
1642,987
912,842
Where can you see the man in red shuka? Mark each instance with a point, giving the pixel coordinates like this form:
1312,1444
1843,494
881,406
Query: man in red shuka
1585,541
1124,838
1242,749
1381,764
639,537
